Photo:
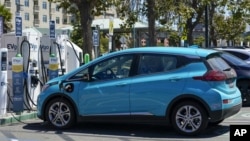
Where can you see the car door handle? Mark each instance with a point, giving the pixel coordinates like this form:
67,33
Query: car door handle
174,79
121,84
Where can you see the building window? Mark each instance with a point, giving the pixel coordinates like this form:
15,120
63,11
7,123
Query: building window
57,20
26,3
18,2
26,16
45,18
57,8
44,5
65,21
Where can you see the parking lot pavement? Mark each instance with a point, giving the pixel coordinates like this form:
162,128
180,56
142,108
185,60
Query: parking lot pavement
242,117
12,117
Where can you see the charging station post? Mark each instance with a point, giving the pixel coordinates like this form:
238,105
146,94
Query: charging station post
17,83
53,60
3,80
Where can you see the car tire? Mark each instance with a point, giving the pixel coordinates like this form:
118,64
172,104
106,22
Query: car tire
189,118
244,87
60,113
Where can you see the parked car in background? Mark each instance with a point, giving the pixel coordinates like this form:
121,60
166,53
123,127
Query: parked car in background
243,74
243,53
187,88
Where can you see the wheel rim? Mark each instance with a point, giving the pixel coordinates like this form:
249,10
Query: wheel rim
188,119
59,114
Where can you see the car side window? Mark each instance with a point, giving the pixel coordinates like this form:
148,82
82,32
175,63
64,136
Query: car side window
82,75
150,63
113,68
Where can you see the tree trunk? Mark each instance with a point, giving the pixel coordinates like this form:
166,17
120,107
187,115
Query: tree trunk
151,22
85,8
189,32
212,35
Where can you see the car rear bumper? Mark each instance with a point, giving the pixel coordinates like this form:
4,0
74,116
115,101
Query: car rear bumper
225,113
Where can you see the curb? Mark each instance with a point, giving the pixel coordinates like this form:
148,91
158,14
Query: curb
11,118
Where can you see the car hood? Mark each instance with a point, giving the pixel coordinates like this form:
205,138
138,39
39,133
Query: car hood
57,79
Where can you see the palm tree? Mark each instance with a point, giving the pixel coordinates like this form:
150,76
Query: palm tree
7,16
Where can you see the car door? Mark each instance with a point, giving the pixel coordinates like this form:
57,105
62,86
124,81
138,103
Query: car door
107,91
158,81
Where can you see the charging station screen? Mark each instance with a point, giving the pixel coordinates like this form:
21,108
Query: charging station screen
4,61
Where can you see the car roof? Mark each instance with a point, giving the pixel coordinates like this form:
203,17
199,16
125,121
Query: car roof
202,52
235,49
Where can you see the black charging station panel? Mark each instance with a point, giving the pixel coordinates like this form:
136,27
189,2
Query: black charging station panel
3,61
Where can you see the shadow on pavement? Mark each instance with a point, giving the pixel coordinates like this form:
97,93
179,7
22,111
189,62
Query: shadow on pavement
127,130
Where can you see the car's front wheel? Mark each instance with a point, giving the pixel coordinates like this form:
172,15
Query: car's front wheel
189,118
60,113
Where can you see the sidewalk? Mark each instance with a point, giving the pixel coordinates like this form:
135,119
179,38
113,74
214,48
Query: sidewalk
12,117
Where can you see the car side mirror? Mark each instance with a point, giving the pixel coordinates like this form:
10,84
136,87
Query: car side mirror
86,77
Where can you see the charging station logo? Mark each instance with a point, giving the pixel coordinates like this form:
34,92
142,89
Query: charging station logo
53,60
53,63
11,47
17,61
44,48
33,47
17,64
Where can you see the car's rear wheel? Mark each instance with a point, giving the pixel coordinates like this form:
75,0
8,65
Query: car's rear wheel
189,118
60,113
244,87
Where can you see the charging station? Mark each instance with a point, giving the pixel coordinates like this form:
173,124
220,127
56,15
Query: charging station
31,60
58,56
71,53
3,80
26,46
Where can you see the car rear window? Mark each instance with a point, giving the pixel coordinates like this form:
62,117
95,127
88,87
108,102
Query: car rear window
217,63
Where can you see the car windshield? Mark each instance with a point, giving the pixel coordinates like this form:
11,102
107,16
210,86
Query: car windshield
233,59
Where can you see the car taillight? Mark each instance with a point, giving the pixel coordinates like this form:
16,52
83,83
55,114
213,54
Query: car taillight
212,75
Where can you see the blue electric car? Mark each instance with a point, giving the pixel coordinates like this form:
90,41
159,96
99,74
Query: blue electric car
187,88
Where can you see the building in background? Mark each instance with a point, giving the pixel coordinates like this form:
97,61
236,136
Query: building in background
37,13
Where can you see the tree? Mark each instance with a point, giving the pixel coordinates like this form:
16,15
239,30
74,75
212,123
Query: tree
239,17
234,20
7,16
192,13
187,13
199,40
86,9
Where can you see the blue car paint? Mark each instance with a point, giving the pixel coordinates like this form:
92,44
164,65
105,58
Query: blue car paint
133,95
110,97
